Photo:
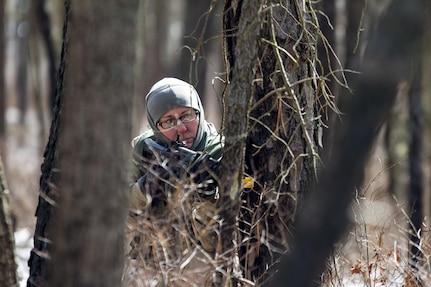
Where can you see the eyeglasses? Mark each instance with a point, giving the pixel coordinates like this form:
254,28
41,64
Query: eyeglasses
173,122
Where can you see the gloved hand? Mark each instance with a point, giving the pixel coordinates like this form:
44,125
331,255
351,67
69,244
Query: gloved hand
204,224
203,169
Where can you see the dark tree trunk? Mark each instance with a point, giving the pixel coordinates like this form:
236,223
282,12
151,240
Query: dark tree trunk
38,261
240,23
281,150
416,169
391,56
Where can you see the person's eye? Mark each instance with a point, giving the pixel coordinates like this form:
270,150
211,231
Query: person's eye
166,124
186,117
169,122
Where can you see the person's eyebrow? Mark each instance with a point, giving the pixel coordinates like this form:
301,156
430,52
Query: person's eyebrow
186,112
173,116
166,118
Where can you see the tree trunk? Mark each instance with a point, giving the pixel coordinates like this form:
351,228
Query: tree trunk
391,56
39,257
331,49
139,84
22,36
95,146
416,186
155,42
243,22
281,150
8,265
44,25
426,103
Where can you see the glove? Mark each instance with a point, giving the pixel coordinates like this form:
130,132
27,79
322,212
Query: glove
204,224
203,168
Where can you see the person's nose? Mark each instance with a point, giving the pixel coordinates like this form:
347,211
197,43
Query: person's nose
181,128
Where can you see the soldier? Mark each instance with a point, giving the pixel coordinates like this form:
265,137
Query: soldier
175,184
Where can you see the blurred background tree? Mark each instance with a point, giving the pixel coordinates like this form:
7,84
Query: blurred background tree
93,158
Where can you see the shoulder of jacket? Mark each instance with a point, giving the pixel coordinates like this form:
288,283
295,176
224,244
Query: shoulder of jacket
138,142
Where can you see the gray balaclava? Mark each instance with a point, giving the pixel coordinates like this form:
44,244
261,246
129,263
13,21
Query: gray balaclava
171,93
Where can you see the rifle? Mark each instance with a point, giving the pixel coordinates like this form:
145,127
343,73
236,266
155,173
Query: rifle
200,166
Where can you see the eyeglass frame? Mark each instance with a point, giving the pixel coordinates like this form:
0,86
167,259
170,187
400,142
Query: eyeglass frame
193,114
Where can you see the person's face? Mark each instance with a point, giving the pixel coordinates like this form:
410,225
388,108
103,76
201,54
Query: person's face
180,123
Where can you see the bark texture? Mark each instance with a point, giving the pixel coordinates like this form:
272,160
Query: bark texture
281,153
95,147
242,27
